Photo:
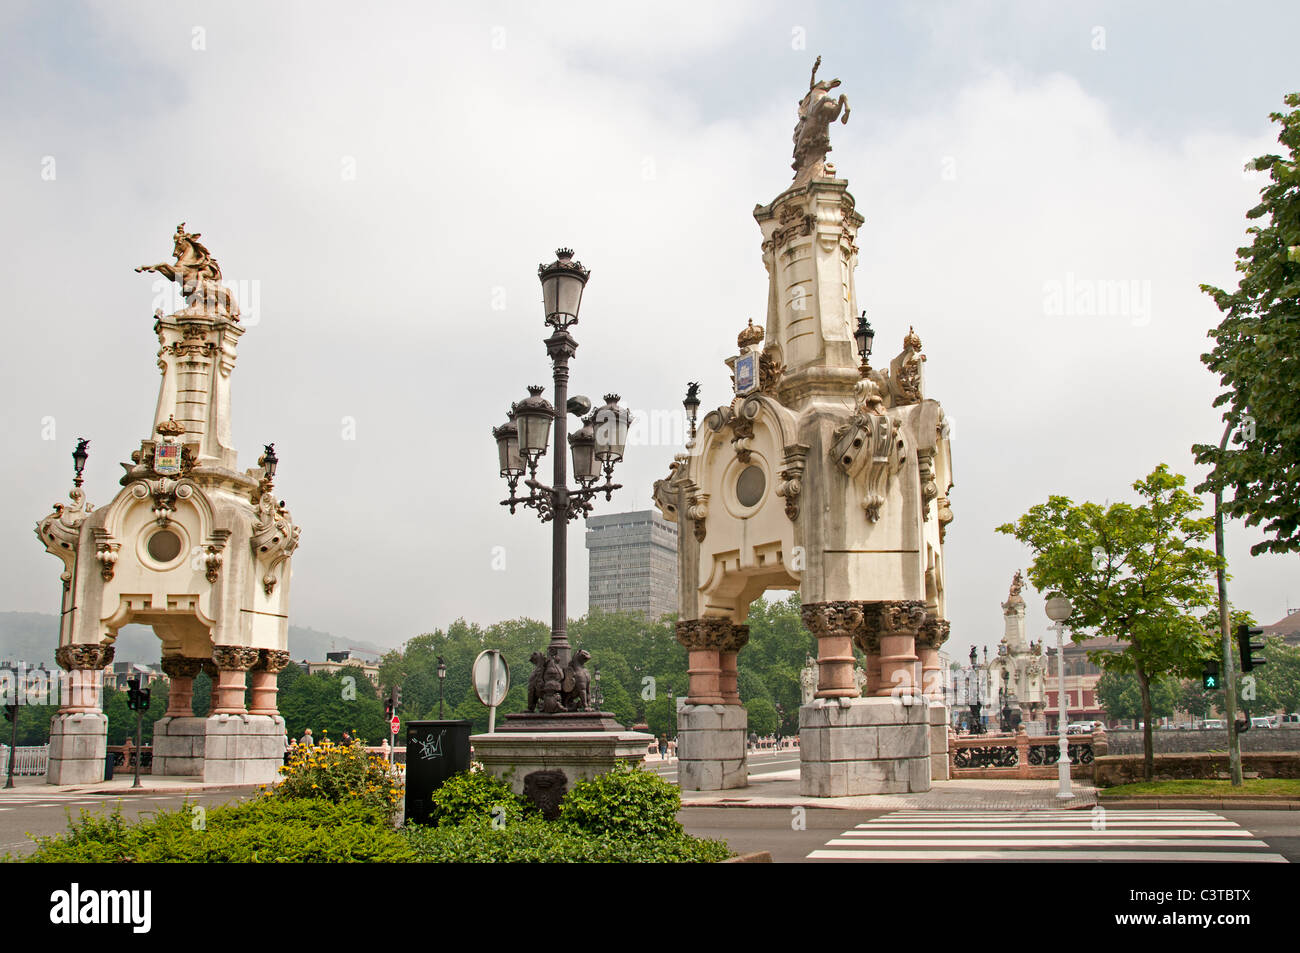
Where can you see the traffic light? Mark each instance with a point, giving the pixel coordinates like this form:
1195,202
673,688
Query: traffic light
388,707
1249,650
1210,676
397,697
133,694
11,712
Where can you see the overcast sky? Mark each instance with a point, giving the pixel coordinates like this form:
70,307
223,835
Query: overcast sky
384,180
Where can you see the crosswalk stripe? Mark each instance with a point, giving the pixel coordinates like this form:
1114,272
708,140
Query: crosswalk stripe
1047,835
1055,842
1191,856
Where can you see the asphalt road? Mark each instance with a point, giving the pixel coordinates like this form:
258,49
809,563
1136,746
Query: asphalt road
941,837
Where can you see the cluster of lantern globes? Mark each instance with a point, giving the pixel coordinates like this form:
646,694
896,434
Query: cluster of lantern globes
596,447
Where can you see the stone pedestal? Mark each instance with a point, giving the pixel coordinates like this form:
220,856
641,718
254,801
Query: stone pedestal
864,746
940,767
514,755
711,747
220,749
78,748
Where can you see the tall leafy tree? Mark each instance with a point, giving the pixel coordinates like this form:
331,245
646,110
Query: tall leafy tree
1121,696
1133,572
1257,357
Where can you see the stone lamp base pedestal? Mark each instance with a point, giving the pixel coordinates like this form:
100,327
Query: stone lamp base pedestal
864,746
78,748
230,749
554,760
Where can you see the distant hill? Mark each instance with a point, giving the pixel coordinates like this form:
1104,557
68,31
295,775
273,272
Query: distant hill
32,637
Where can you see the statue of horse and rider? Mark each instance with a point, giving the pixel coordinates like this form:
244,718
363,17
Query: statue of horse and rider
198,274
812,138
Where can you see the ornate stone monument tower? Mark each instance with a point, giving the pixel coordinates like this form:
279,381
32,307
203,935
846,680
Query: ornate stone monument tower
827,476
189,546
1020,659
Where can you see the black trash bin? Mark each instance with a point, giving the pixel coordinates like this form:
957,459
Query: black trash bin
435,750
108,766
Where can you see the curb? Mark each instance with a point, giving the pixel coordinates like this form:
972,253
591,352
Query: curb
1222,804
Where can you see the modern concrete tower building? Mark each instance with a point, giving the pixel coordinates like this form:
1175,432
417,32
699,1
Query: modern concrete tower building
632,563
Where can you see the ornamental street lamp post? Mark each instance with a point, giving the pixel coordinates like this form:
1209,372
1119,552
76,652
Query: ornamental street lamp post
442,678
596,447
1058,610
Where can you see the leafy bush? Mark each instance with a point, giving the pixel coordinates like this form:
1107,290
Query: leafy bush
338,773
474,796
265,830
534,840
626,802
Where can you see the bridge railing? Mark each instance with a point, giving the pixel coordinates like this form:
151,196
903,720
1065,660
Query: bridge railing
1020,755
29,760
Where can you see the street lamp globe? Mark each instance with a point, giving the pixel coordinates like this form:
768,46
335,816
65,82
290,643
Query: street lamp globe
583,446
507,437
562,284
611,425
1059,607
864,335
533,418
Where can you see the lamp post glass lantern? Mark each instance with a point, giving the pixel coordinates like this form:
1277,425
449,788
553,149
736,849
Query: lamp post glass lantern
596,447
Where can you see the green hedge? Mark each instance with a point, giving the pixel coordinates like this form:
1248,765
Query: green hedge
265,830
626,816
533,840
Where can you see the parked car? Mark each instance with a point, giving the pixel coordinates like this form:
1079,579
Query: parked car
1214,724
1079,728
1291,719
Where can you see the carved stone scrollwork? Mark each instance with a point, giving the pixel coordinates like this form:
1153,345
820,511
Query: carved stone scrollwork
212,561
712,634
841,618
742,430
945,515
546,789
933,632
106,554
929,489
697,509
234,658
790,483
84,657
271,660
60,531
274,538
179,666
770,371
867,448
901,617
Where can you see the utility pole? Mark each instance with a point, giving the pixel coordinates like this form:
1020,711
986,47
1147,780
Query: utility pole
1225,634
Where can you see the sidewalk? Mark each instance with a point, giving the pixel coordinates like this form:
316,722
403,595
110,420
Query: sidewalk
781,789
26,787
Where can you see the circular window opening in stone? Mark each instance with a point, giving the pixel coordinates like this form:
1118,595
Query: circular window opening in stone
164,546
750,486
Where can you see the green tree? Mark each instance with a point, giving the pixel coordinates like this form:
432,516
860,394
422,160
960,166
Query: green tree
1133,573
1257,357
1121,696
1278,682
762,716
1198,701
